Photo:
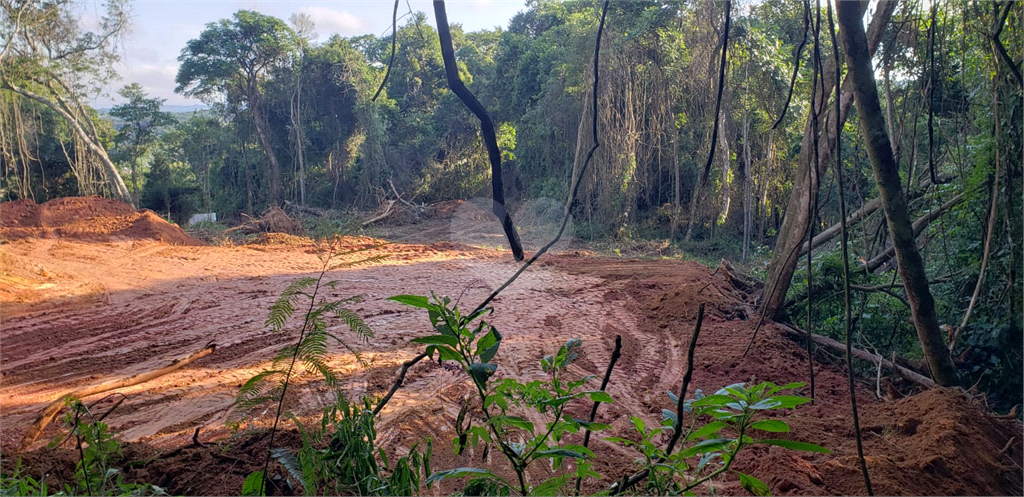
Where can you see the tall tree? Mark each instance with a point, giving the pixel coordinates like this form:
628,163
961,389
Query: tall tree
49,57
142,116
232,58
804,193
894,202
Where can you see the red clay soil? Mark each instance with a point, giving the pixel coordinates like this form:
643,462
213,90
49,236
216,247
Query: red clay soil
90,219
78,313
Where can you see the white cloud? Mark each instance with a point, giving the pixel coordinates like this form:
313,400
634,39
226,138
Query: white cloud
329,21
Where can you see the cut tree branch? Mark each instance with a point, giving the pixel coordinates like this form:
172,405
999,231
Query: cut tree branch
51,410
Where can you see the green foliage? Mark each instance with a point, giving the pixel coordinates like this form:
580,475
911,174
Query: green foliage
473,343
17,483
99,450
311,348
719,427
340,456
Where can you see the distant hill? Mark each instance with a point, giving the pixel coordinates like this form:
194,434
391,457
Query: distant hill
175,109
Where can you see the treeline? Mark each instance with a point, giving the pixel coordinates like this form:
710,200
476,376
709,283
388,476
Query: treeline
296,120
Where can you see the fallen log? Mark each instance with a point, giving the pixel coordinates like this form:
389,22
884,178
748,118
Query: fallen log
866,210
387,212
823,341
50,411
922,222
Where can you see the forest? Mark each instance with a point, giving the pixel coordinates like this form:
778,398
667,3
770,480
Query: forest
857,168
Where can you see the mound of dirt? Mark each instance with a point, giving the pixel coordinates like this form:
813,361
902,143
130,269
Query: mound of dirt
90,219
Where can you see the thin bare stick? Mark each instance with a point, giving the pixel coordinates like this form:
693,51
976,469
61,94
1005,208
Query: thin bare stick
796,63
391,61
398,382
577,178
630,481
50,411
616,353
846,263
686,382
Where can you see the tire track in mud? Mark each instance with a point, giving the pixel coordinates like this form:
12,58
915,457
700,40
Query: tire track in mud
161,308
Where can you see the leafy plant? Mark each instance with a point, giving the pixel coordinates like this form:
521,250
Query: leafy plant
720,426
17,483
94,473
310,349
340,456
473,343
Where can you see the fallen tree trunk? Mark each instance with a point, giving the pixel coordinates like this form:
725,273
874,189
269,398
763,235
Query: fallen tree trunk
860,354
922,222
866,210
387,212
50,411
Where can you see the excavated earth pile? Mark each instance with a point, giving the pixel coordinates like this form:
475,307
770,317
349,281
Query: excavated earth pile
87,299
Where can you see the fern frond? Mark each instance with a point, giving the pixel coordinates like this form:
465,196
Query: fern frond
354,352
284,306
316,365
354,323
256,386
314,346
284,356
291,463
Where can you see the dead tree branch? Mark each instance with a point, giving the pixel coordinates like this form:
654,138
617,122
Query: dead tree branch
50,411
451,70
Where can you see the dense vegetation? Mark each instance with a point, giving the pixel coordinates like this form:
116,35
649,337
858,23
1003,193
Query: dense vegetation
296,120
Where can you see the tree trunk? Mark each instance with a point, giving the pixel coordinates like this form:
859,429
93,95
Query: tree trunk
793,231
296,118
275,169
676,194
872,126
747,209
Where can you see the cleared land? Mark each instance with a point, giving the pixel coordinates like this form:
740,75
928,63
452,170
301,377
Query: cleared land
92,290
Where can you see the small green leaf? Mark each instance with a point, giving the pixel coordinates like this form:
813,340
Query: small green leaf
481,372
709,445
713,400
707,430
600,396
487,347
792,444
516,421
558,453
458,473
590,426
413,300
780,401
551,486
753,485
639,424
772,425
253,485
437,340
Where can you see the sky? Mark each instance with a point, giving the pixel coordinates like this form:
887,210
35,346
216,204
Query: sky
160,29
